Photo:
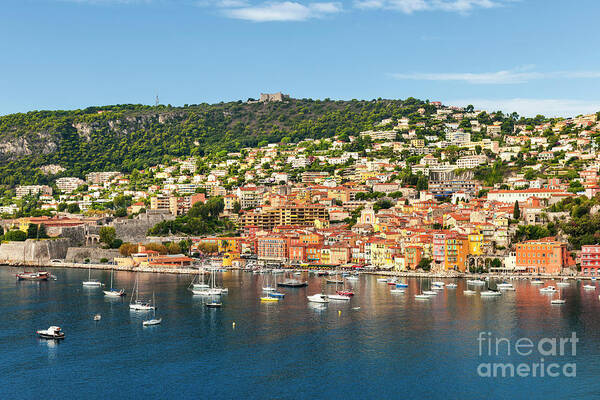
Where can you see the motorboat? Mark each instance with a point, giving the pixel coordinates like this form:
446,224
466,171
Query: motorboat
422,296
438,283
401,285
436,287
269,299
451,286
153,321
537,282
397,291
318,298
292,283
475,282
349,293
505,286
469,292
548,289
490,293
277,295
97,317
214,304
53,332
383,280
338,297
335,281
589,287
558,301
563,283
33,276
429,293
352,278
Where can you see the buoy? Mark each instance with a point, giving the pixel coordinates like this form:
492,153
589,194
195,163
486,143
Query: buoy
339,312
233,325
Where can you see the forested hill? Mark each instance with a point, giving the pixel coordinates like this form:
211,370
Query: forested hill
126,137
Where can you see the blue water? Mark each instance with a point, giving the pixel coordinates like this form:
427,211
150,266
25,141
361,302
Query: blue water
392,347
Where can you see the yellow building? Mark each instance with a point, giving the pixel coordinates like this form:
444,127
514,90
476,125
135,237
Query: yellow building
476,244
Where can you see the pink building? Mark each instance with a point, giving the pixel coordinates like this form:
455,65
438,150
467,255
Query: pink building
590,259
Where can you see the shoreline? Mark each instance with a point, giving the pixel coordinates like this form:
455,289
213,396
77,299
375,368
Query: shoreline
194,270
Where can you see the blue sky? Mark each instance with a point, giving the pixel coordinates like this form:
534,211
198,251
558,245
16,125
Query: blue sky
529,56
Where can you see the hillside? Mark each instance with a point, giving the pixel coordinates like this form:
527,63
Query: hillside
127,137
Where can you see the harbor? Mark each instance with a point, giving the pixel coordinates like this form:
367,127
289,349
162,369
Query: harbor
246,342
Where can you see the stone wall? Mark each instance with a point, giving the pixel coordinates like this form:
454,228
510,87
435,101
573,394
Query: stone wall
33,251
94,254
134,230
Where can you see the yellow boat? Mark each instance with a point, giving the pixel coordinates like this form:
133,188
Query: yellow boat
269,299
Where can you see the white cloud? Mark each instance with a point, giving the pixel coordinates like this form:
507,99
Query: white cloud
283,11
411,6
514,76
533,107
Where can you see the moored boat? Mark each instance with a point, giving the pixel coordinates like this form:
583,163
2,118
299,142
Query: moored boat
318,298
53,332
33,276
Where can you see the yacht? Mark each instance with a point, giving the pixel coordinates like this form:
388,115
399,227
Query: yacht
340,297
112,292
548,289
136,304
318,298
91,282
53,332
490,293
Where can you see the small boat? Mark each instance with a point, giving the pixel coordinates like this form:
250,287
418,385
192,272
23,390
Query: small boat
33,276
277,295
214,303
338,297
401,285
335,281
429,293
352,278
438,283
136,304
469,292
113,292
97,317
451,286
422,297
396,291
563,283
558,301
382,280
505,286
269,299
475,282
392,282
589,287
318,298
345,292
548,289
154,320
91,282
53,332
294,283
435,287
490,293
537,282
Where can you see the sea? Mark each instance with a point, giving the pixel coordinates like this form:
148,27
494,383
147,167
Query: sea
378,345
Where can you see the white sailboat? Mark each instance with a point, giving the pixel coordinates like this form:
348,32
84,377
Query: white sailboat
200,285
422,295
267,286
154,320
90,282
136,304
112,292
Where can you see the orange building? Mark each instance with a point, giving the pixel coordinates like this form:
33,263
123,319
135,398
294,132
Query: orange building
456,252
412,256
542,256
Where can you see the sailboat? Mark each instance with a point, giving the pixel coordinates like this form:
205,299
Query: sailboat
422,295
211,289
490,293
214,302
154,320
113,292
338,295
560,299
91,282
267,287
200,285
136,304
430,292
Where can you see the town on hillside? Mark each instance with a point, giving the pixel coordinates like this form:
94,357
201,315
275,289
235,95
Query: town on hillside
443,189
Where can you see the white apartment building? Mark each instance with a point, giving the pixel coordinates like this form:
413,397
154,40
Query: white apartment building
68,184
